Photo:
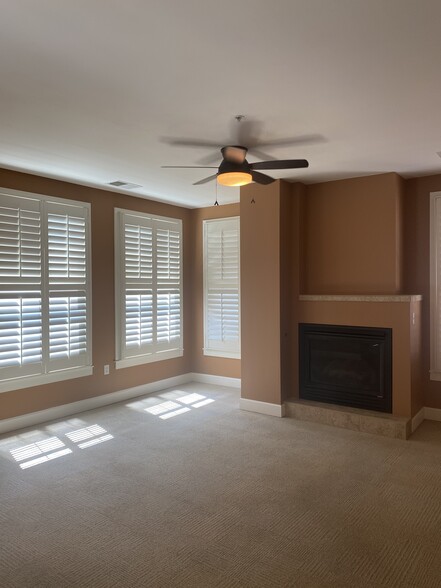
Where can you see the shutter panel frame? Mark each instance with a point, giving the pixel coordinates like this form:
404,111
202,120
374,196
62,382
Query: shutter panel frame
148,288
28,288
221,253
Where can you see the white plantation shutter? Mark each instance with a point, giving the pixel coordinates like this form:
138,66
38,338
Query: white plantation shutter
67,281
148,287
435,286
222,287
168,282
43,288
20,287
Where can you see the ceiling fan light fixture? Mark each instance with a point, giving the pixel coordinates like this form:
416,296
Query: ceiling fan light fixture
233,179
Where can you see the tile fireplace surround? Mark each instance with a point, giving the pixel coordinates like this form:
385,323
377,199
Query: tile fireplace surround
401,313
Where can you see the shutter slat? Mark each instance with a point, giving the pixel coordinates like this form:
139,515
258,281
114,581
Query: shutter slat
20,332
67,326
66,248
20,241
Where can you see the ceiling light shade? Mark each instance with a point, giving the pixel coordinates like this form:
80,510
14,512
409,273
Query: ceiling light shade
238,178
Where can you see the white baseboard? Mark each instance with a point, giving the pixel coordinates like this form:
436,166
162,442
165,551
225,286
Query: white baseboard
432,414
426,413
65,410
60,412
215,380
267,408
418,419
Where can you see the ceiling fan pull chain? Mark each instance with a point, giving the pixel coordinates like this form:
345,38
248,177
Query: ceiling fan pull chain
216,203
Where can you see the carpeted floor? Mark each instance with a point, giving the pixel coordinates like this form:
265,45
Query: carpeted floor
214,496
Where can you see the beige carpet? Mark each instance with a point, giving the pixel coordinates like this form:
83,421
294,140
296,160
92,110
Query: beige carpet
213,496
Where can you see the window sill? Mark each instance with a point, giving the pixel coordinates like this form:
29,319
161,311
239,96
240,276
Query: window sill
42,379
151,358
224,354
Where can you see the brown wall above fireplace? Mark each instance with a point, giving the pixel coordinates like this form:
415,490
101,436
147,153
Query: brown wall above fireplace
352,236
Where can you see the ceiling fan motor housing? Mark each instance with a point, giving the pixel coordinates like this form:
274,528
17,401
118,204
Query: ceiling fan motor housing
231,167
234,153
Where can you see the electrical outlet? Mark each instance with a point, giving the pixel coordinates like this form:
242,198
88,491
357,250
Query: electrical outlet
413,318
106,370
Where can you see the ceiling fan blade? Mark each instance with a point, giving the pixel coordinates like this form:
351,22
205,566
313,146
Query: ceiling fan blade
205,180
261,178
214,157
260,154
190,142
280,164
189,166
300,140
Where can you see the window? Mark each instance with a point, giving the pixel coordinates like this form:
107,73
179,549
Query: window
435,286
148,288
221,287
44,290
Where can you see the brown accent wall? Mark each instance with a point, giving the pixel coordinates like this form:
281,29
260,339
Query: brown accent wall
260,292
353,236
288,303
416,239
19,402
204,364
292,204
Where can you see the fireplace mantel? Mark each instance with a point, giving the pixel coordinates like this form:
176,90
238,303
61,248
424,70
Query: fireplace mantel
399,312
361,297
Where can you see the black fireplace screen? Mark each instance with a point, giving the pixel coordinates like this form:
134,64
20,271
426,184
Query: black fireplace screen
346,365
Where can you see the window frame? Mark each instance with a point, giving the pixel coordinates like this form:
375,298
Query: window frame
209,351
67,373
143,358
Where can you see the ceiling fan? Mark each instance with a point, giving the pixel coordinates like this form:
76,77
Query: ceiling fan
234,169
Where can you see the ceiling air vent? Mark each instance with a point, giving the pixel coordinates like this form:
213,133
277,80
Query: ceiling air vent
125,185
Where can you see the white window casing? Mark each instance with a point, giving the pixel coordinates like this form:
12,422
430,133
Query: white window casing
148,288
221,250
45,291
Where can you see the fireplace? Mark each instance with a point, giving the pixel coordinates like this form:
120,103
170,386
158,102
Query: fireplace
351,366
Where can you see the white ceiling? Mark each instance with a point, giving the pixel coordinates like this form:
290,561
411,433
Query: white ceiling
88,88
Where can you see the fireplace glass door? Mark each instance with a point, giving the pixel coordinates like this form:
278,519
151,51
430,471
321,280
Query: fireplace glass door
346,365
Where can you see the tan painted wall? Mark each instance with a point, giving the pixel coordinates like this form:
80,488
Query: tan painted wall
416,348
288,302
353,236
296,275
204,364
103,314
260,292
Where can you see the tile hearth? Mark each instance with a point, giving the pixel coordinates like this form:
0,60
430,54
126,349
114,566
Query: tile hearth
345,417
